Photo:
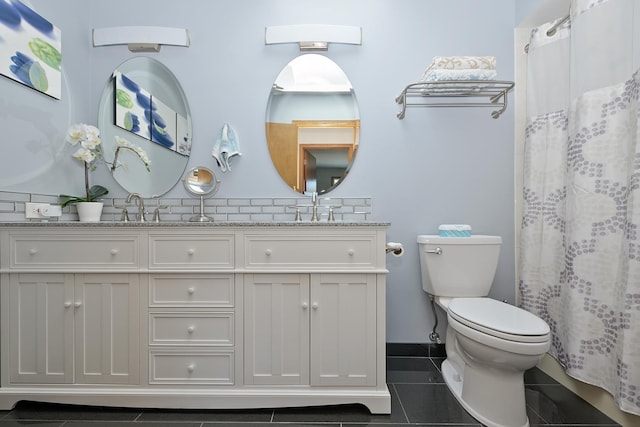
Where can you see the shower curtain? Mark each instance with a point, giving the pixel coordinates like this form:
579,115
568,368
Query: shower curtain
580,231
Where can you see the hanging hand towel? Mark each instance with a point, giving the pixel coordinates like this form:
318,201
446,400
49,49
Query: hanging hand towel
225,147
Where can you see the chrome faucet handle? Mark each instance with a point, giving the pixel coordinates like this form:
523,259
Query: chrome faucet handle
298,217
156,213
124,217
331,217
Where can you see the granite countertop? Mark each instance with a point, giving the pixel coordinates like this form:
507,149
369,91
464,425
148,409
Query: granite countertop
118,224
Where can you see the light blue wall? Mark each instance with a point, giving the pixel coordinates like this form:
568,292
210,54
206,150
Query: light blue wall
435,166
524,8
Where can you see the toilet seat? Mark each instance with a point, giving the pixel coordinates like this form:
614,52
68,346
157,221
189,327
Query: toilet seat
498,319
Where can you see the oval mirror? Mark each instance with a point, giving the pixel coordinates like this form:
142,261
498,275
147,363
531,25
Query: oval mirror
201,182
144,103
312,124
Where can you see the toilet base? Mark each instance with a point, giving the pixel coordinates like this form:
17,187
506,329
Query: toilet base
503,395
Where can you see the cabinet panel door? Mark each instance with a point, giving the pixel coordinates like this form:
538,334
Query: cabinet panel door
41,328
343,329
276,329
107,328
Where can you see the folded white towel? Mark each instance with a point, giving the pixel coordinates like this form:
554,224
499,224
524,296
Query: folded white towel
436,75
464,62
460,63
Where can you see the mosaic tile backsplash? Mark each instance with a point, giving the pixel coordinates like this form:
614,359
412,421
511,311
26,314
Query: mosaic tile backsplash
12,208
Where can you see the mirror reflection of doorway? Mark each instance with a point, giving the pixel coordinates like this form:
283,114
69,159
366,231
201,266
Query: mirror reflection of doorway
323,166
332,142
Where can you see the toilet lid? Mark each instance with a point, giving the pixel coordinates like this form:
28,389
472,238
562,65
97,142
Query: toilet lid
499,319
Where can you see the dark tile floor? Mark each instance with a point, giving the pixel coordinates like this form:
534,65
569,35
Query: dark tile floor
419,396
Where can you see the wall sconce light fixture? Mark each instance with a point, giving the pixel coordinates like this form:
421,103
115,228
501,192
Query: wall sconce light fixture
313,37
141,39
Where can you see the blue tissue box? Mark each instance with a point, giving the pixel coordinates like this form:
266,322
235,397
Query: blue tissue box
454,230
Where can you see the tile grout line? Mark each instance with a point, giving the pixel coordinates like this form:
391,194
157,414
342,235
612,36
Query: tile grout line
404,412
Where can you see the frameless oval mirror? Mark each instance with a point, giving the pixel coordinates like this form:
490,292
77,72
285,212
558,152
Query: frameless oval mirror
312,124
201,182
143,102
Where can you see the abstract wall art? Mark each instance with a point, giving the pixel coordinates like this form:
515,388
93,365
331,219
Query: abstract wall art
30,48
132,106
140,112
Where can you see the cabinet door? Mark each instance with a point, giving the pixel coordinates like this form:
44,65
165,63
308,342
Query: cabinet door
107,328
40,328
276,343
343,329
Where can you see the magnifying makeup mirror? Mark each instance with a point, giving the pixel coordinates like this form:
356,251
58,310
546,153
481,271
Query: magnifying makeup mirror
201,182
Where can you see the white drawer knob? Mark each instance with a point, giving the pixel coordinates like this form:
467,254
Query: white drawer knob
191,367
351,252
267,252
191,290
191,252
114,252
67,304
305,305
33,251
314,305
191,328
78,304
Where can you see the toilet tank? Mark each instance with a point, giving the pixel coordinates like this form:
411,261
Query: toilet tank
458,266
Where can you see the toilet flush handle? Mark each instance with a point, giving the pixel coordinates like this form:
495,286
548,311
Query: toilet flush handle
437,251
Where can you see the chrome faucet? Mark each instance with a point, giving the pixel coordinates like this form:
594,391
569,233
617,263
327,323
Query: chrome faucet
140,203
314,212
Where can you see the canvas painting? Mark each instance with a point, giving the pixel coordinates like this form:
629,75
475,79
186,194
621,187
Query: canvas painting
183,139
163,124
132,106
30,48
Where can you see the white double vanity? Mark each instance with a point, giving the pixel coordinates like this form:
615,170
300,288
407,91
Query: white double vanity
192,315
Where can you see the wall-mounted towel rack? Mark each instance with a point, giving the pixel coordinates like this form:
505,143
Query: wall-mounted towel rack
456,93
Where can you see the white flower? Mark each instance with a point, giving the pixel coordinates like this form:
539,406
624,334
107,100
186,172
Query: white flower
81,133
92,132
85,155
91,142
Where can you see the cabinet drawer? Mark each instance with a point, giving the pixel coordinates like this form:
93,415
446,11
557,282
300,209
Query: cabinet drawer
191,367
64,252
191,329
300,252
191,252
191,290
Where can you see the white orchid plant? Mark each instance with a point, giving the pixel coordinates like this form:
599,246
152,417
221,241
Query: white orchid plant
89,151
123,144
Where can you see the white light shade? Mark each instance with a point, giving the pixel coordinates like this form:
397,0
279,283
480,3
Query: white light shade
141,38
309,33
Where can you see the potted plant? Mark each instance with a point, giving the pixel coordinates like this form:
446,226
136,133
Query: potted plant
89,152
87,139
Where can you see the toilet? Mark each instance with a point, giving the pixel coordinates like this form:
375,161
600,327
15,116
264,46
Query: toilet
489,343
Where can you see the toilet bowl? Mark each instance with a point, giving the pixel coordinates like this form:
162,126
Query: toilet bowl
489,346
489,343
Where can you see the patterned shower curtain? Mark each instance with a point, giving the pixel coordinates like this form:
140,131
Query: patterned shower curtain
580,235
